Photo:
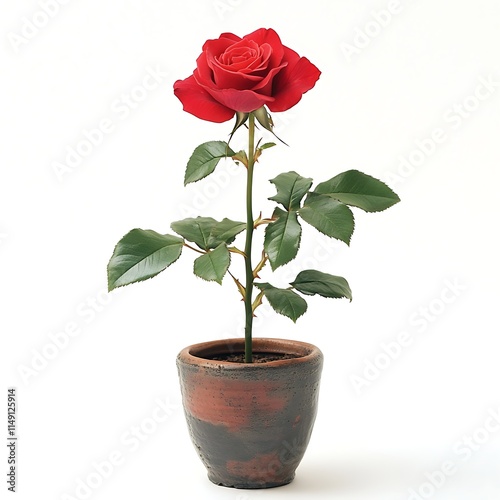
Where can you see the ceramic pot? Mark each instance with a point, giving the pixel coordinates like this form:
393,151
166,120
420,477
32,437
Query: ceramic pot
250,422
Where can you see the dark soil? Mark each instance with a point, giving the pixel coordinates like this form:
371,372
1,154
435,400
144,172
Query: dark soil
258,357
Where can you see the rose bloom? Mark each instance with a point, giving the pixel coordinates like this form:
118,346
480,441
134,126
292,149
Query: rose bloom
236,74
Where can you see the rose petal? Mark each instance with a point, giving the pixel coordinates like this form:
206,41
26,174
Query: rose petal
244,101
210,74
233,68
203,69
225,40
238,53
230,36
293,81
266,52
268,36
234,80
265,86
197,101
205,76
213,48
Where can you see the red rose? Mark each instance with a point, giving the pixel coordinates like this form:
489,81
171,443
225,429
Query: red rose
243,74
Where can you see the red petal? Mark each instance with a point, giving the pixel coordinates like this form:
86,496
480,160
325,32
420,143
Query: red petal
244,101
226,39
266,85
238,54
233,69
231,36
203,69
234,80
293,81
197,101
226,75
214,48
269,36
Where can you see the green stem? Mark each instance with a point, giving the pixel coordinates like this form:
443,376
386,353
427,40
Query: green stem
248,242
195,249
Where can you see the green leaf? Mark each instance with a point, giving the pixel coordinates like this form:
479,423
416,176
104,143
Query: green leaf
267,145
282,238
328,216
291,189
204,160
142,254
225,232
213,265
312,282
359,190
197,230
285,302
208,233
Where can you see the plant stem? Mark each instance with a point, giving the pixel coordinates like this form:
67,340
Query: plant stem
195,249
248,242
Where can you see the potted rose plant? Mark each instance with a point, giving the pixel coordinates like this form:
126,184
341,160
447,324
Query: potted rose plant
250,403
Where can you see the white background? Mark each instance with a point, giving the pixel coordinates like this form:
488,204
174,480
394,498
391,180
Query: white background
369,109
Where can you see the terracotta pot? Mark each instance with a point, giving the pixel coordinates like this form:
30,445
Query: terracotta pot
250,422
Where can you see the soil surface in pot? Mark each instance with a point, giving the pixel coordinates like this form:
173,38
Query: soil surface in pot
258,357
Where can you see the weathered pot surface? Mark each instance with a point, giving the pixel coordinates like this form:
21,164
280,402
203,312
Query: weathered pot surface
250,422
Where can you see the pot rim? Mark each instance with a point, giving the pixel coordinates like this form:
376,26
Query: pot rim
305,351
